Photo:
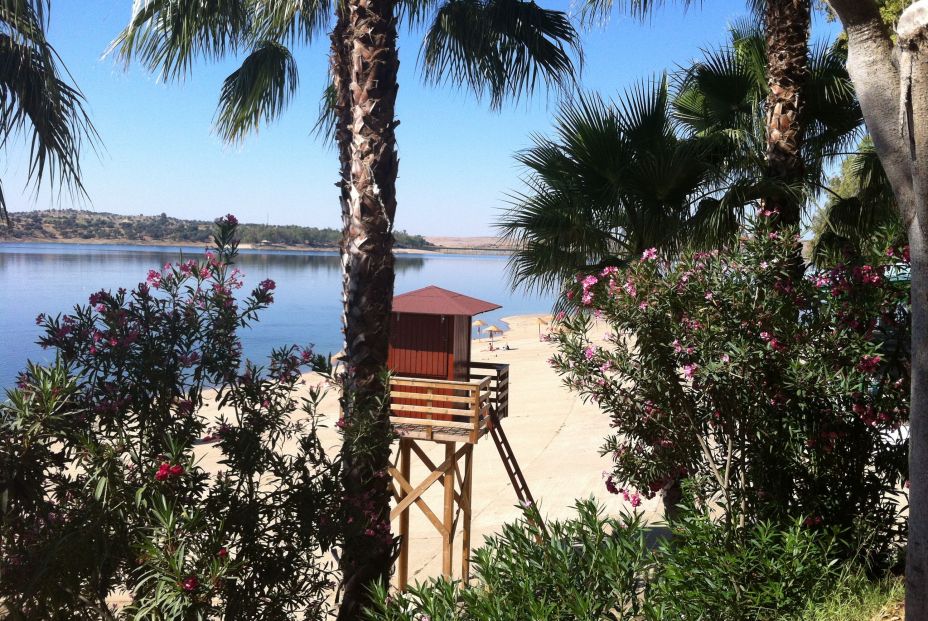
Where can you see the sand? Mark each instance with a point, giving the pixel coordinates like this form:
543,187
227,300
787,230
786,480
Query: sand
555,437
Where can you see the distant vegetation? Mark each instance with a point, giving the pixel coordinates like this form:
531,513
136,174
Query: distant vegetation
77,224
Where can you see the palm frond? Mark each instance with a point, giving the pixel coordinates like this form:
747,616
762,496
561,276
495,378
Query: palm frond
324,127
292,21
167,36
36,101
258,91
593,11
613,180
500,48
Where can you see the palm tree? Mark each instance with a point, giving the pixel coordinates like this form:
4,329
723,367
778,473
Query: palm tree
786,27
669,166
860,215
727,91
36,99
498,48
618,178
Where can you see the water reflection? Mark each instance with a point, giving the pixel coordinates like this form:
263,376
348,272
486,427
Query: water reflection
52,278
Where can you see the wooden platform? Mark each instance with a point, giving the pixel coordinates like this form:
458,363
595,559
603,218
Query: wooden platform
450,411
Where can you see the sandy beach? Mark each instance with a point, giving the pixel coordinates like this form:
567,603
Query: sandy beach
554,435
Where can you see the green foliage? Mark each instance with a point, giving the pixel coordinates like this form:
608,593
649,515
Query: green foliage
759,572
102,487
672,163
860,217
777,396
582,569
74,224
502,48
591,568
38,101
858,598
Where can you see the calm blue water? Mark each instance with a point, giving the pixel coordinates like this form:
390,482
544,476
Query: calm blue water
52,278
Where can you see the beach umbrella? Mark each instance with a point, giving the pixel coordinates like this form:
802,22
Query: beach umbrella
478,324
541,322
490,330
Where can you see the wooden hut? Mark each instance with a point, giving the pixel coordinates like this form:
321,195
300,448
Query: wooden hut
430,333
438,394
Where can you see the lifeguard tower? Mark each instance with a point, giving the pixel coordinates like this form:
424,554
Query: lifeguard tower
438,394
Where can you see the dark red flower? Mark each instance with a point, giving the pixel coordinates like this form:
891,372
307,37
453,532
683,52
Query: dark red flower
176,470
190,583
223,553
163,472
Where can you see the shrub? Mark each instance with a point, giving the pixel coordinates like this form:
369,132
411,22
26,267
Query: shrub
584,568
758,572
594,568
778,396
101,488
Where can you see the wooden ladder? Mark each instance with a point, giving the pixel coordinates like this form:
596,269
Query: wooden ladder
523,493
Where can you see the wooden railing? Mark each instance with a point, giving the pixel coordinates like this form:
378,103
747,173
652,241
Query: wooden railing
498,374
450,411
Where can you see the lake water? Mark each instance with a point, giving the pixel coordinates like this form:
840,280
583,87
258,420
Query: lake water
52,278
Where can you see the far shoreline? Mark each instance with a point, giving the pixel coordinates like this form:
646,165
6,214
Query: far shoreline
256,247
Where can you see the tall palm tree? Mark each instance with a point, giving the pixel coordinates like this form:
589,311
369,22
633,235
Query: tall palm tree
37,101
786,27
498,48
596,194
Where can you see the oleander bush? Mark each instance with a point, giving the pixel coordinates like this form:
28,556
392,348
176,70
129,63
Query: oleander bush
595,568
759,571
103,496
776,394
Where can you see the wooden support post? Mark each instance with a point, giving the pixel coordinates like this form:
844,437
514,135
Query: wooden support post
465,504
447,555
403,561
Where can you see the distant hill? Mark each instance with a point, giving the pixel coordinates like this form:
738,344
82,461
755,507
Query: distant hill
83,225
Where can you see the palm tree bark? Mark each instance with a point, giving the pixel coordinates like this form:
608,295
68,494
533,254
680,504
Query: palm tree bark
892,85
365,65
787,24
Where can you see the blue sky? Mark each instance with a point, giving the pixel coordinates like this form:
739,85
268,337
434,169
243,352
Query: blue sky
159,153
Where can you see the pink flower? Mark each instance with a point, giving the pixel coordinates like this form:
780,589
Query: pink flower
677,347
765,336
630,288
649,255
190,583
154,279
726,358
589,352
689,370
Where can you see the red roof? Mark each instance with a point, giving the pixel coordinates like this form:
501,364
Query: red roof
434,300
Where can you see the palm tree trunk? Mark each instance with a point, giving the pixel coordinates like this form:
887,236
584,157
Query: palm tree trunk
365,64
787,24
